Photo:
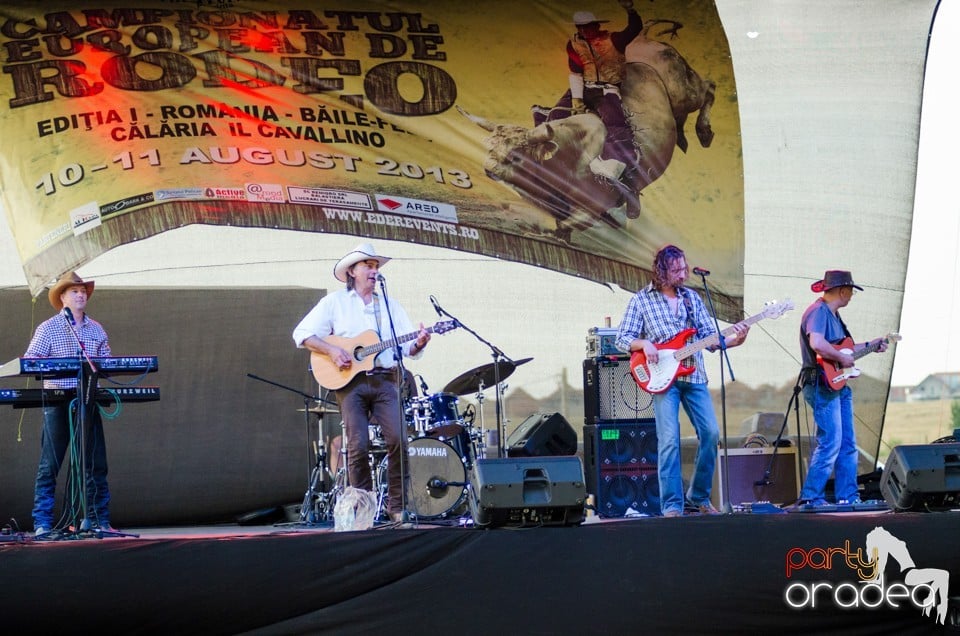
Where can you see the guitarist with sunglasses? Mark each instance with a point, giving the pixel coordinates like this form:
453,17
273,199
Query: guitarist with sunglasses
654,315
822,332
371,393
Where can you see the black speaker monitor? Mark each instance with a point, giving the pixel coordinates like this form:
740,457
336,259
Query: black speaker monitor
527,491
922,477
542,434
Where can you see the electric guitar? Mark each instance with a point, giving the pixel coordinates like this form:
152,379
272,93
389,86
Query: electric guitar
658,377
363,348
836,375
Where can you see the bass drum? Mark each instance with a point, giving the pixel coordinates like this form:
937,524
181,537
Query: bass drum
437,475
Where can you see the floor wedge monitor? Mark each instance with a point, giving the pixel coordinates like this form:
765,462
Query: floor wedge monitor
527,491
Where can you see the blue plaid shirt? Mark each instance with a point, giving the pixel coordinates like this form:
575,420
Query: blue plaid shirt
54,339
648,317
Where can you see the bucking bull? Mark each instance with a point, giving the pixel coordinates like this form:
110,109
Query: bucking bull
558,165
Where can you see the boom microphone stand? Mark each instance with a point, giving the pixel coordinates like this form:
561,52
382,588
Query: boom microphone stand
722,341
795,402
316,466
499,357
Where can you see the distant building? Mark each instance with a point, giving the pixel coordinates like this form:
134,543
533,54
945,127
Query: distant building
898,394
937,386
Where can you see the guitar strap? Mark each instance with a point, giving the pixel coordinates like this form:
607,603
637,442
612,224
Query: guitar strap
688,305
376,313
843,326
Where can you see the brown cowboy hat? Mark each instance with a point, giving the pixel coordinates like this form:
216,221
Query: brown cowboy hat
68,280
362,252
834,278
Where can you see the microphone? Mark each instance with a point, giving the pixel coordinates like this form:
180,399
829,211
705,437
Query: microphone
380,278
69,315
699,271
423,385
436,306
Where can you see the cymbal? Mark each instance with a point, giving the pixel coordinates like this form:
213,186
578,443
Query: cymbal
485,374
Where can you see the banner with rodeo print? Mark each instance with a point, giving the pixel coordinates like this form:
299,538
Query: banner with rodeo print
578,136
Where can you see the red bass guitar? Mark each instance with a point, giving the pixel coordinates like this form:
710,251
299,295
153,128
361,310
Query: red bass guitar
658,377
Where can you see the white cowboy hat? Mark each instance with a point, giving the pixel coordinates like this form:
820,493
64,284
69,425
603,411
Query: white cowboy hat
586,17
362,252
68,280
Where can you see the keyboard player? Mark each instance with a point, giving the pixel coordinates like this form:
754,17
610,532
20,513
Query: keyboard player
57,337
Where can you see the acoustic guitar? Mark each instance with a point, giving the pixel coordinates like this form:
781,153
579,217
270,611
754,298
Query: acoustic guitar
363,349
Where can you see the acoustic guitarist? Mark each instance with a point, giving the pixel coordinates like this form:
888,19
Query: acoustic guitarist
654,315
820,329
371,394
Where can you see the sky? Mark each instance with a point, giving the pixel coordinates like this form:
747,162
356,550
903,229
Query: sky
930,321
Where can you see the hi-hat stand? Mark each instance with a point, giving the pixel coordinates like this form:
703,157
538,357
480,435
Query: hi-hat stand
317,506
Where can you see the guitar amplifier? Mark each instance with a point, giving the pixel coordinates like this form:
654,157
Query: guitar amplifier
748,480
611,394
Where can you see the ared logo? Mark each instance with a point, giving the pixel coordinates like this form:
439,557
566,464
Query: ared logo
389,203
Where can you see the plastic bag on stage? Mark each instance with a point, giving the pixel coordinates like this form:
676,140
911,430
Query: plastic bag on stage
355,510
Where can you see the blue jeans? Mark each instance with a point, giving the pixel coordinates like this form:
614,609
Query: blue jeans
55,439
836,450
699,408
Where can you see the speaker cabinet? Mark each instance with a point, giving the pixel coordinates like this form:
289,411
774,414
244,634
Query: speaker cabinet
610,394
542,434
748,469
922,477
620,464
527,491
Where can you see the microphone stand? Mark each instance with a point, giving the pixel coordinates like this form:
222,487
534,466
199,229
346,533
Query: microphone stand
727,507
401,374
795,402
316,466
86,399
497,355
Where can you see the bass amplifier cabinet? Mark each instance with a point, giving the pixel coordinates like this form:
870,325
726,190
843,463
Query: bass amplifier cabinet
748,482
610,393
620,465
527,491
922,477
542,434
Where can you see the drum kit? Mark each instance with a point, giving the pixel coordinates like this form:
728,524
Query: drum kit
442,446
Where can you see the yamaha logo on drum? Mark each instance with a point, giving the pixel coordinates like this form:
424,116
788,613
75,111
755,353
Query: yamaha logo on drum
438,451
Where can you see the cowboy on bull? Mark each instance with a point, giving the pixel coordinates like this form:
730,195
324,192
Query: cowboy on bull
596,62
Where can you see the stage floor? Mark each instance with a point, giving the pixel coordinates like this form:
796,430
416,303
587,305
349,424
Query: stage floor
733,573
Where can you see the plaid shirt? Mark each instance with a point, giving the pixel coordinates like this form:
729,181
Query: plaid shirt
649,317
54,339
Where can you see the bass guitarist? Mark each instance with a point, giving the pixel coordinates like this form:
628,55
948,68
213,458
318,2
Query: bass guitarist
654,315
372,394
821,328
